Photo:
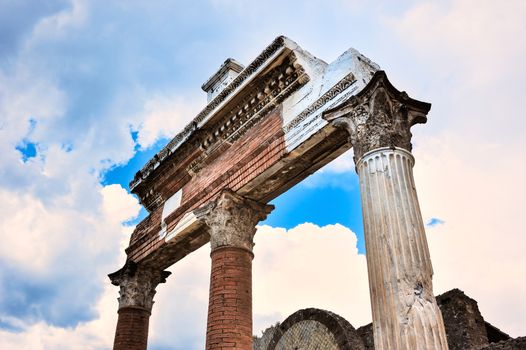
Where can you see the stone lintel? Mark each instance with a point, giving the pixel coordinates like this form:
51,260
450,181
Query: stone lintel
254,94
137,285
277,102
378,116
232,220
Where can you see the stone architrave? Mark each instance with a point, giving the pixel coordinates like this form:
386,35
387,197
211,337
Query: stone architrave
405,312
232,224
137,289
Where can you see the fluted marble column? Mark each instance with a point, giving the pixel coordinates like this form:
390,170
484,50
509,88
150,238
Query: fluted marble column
400,272
137,289
405,312
232,224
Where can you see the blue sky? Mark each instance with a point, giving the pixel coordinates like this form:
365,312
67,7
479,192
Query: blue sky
90,90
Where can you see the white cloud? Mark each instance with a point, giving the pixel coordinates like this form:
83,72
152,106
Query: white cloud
58,25
90,335
479,248
342,164
65,252
164,117
118,204
62,230
307,266
468,169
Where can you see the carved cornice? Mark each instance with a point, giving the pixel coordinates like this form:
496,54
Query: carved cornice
174,144
137,285
232,220
378,116
266,96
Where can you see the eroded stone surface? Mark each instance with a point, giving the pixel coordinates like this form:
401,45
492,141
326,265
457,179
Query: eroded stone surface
404,310
379,116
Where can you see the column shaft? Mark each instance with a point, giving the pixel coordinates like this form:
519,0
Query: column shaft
232,223
405,313
230,304
132,329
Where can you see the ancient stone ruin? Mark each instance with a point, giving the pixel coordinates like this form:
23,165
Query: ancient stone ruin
266,127
311,329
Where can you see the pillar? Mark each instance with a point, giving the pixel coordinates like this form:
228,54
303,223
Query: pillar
137,289
232,225
404,309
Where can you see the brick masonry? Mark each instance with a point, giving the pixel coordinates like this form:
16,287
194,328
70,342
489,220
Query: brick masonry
132,329
230,303
232,166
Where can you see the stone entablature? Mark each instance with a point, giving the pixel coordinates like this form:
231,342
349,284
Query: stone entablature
259,136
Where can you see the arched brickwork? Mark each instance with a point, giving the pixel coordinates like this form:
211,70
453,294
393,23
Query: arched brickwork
319,329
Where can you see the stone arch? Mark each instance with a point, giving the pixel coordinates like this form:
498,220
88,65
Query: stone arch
322,329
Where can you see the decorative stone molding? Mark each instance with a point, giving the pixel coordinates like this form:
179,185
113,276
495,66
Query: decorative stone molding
379,116
337,89
232,220
137,285
274,48
269,94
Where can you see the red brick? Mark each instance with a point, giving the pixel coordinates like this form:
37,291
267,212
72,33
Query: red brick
230,306
132,329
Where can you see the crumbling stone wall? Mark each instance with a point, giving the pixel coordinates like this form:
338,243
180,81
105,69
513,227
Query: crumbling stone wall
366,333
465,328
511,344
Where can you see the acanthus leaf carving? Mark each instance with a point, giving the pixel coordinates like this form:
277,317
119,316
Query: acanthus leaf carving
379,116
232,220
137,285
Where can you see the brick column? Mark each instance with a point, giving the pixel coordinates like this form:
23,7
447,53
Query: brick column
137,289
405,312
232,225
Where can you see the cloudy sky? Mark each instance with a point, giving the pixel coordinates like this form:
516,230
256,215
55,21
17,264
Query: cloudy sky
89,90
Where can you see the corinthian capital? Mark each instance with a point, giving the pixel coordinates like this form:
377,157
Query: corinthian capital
137,285
378,116
232,220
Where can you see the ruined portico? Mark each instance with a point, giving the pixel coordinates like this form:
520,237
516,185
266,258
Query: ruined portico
266,127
